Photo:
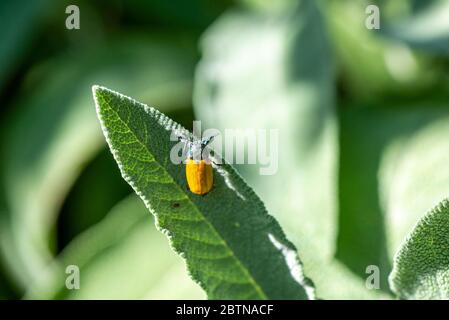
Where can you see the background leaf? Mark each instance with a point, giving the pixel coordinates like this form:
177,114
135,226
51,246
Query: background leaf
122,257
426,29
372,66
17,21
421,265
233,248
392,169
413,171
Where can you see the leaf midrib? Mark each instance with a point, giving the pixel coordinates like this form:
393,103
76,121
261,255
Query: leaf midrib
258,289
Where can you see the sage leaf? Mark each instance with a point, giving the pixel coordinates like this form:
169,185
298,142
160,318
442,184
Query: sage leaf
421,266
232,247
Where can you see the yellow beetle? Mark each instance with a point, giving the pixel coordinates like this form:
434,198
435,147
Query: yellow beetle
199,172
200,177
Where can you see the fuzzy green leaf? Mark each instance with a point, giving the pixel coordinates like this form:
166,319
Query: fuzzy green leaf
421,266
232,247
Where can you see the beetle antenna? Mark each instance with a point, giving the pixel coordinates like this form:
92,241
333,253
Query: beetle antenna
208,140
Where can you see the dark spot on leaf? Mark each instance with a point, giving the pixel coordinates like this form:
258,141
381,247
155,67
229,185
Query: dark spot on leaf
175,205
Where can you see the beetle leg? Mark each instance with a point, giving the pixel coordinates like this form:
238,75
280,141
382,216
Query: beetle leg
215,164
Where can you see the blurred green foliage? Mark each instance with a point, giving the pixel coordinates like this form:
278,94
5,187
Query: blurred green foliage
363,117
